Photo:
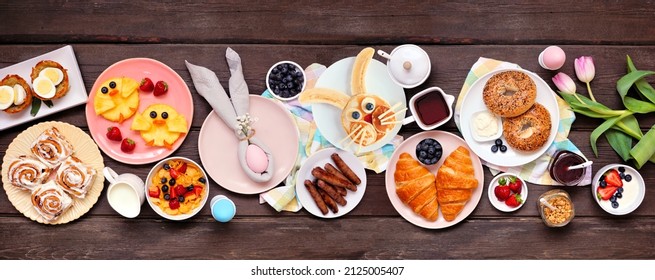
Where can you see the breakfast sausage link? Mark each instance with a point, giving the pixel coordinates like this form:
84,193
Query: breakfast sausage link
331,192
319,173
334,171
329,201
345,169
316,196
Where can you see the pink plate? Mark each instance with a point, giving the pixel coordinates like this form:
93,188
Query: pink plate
449,142
217,146
178,97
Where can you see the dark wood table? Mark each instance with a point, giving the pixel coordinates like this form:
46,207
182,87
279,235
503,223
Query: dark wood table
455,34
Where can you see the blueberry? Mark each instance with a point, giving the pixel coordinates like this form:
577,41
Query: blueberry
619,190
274,70
286,93
180,198
278,76
284,70
167,196
164,180
433,161
167,166
276,91
422,154
202,180
621,169
503,148
112,84
615,205
104,90
171,182
355,115
279,67
622,175
499,142
289,85
153,114
189,188
298,74
431,151
618,195
283,86
164,115
603,184
494,148
425,146
613,198
164,188
628,178
369,106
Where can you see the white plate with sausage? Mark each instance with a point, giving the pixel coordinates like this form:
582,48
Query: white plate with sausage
351,198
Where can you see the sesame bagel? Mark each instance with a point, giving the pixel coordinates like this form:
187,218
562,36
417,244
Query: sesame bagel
61,88
509,93
528,131
12,80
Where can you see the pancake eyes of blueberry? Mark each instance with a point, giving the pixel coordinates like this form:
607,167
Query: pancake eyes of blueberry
112,84
368,104
104,90
153,114
356,115
164,115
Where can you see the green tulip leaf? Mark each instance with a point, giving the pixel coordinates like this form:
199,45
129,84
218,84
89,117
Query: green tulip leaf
630,126
638,106
644,150
624,84
620,142
607,124
643,87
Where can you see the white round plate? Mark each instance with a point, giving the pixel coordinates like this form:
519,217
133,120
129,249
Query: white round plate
337,77
636,188
217,146
449,142
473,103
500,205
320,158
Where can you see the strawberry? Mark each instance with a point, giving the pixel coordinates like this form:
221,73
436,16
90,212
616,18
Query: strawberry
161,87
113,133
180,190
606,193
502,192
514,201
515,184
197,190
182,168
146,85
128,145
613,178
174,173
154,191
173,204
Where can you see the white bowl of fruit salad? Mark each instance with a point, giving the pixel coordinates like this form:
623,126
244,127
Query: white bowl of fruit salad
177,188
618,189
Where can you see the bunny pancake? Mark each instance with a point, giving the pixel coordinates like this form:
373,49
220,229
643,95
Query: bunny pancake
15,94
49,80
27,172
509,93
117,99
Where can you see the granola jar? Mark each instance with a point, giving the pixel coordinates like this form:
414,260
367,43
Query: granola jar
564,210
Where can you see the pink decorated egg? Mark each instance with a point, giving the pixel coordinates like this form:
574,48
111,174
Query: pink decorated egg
256,159
552,58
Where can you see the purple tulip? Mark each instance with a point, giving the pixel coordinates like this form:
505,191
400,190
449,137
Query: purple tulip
585,70
564,83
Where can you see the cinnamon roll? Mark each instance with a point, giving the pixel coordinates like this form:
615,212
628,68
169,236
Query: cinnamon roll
27,172
51,147
50,200
75,177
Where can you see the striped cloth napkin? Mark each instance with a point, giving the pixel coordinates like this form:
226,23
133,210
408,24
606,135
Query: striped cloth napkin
284,198
535,172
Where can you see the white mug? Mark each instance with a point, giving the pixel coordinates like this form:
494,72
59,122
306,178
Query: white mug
223,209
441,97
126,192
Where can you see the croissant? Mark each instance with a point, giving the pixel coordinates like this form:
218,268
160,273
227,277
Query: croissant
455,183
415,187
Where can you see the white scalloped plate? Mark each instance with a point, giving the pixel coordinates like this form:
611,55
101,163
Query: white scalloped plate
84,148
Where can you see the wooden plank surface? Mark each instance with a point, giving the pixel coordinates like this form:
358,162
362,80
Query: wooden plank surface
454,34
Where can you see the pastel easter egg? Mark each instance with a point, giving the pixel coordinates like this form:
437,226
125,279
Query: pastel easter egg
552,58
256,159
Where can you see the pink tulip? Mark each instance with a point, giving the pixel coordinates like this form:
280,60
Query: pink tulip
585,70
564,83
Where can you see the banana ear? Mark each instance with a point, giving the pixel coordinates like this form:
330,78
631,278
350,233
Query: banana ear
357,79
324,95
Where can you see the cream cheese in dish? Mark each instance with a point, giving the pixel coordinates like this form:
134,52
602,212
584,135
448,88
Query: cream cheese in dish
485,126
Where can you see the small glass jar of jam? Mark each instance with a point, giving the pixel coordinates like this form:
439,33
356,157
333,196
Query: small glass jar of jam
559,168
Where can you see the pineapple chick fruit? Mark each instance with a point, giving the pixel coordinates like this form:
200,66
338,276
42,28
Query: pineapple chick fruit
160,125
117,99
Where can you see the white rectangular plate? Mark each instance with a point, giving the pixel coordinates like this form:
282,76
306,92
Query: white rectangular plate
76,93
